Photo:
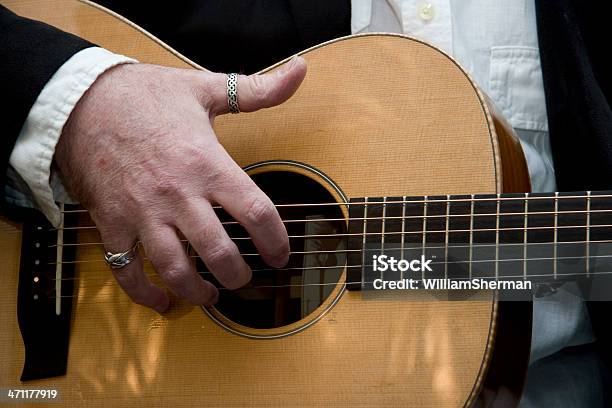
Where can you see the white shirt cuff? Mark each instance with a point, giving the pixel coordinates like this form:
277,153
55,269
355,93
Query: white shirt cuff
33,152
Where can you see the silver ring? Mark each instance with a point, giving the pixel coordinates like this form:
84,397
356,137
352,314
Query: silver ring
232,93
121,259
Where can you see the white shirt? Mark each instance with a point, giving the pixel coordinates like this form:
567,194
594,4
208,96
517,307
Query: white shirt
494,40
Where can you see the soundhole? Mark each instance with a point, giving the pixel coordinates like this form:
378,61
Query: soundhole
302,290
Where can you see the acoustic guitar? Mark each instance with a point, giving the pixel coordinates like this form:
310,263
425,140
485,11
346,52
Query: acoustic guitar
387,144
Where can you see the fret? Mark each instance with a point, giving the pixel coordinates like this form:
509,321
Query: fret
383,222
540,223
365,221
600,253
356,264
588,235
414,241
511,237
374,225
382,230
555,235
402,240
374,239
448,207
471,233
525,241
485,221
497,205
425,214
571,220
458,248
392,227
436,235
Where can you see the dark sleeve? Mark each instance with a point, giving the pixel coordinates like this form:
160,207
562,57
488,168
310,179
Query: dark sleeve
577,70
30,53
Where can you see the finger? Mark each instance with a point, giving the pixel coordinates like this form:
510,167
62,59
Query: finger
170,260
206,234
257,91
243,200
132,278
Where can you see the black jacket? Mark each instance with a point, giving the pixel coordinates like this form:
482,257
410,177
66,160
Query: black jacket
577,72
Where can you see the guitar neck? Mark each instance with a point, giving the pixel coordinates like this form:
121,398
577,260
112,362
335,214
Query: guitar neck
535,237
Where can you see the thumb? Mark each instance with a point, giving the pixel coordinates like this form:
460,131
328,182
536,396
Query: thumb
259,91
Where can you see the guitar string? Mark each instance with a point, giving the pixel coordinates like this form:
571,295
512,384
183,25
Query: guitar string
454,199
330,284
356,234
437,247
373,204
419,217
201,273
420,248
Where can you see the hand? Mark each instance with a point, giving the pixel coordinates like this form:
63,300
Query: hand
140,154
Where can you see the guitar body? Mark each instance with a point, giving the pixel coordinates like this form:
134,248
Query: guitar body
378,115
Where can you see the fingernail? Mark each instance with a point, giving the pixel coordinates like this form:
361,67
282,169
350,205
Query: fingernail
288,66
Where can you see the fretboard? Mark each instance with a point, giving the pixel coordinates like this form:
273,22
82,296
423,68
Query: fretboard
536,237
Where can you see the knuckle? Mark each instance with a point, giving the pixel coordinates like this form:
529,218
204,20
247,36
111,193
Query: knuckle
221,253
164,185
259,88
259,211
194,156
107,217
175,277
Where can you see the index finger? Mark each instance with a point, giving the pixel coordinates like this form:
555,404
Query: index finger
253,209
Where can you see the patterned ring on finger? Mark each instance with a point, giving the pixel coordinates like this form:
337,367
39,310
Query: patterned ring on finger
232,93
120,260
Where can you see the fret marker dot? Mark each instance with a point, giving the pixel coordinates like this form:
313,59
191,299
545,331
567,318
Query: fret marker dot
35,297
36,279
36,262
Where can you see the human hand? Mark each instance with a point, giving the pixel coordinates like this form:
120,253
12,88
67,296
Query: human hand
140,154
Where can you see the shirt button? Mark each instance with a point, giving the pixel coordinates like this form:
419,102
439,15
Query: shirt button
427,12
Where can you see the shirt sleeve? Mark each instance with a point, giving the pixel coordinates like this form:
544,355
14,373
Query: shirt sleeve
32,155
